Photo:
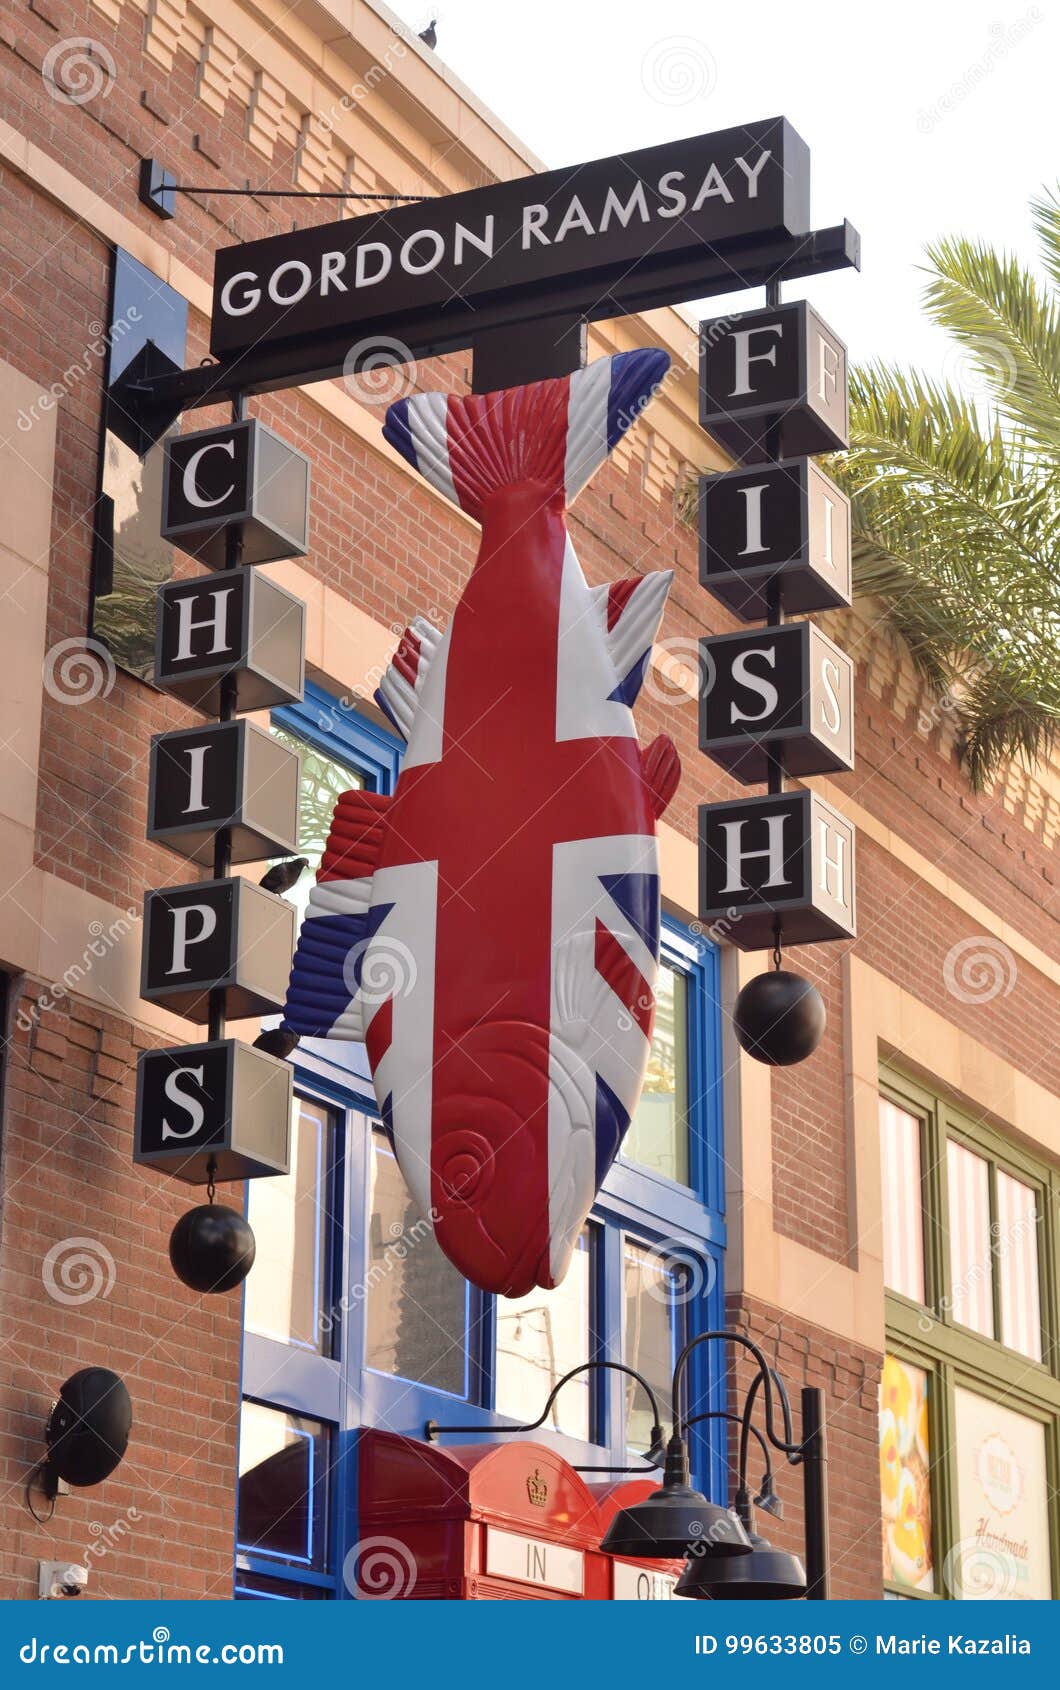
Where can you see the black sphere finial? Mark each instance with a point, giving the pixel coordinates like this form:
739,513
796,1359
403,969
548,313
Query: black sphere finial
779,1018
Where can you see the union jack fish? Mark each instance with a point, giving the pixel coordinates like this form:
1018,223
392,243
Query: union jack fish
491,931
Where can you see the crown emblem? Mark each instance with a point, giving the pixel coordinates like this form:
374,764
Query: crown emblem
537,1489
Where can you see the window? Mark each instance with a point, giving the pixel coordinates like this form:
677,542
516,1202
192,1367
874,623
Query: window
289,1290
654,1290
281,1513
542,1336
658,1133
970,1397
416,1302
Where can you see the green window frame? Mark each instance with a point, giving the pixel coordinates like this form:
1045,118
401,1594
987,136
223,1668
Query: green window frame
955,1358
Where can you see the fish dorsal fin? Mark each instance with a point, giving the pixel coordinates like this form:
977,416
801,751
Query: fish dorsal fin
661,767
557,432
398,693
630,612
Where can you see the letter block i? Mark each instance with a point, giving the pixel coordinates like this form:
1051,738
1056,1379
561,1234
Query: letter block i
241,474
788,855
785,522
226,774
222,1102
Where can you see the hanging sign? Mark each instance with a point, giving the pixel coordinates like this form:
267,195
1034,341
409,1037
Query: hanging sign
221,1102
589,240
786,523
236,623
225,775
217,935
789,687
242,475
788,854
780,371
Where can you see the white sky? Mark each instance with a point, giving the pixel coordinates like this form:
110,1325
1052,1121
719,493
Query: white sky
922,119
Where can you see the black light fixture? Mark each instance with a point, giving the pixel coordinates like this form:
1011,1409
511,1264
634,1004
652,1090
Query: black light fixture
642,1530
87,1431
653,1457
675,1519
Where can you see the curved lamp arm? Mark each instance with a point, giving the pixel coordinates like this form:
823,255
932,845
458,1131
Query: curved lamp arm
432,1429
765,1378
739,1420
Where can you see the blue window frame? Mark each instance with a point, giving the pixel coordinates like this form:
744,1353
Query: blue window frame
652,1259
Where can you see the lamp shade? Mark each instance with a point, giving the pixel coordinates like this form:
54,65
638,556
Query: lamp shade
673,1520
765,1575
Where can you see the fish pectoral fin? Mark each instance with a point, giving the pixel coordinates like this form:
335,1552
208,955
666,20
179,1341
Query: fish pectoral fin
630,612
322,996
661,767
398,693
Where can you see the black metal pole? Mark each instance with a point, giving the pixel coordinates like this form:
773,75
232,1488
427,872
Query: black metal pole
222,845
815,1495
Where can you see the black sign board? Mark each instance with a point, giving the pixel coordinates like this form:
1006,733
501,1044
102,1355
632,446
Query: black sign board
773,383
787,522
786,687
221,1101
217,935
227,774
237,622
789,855
245,474
579,241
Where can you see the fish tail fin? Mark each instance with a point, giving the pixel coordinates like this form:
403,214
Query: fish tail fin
556,432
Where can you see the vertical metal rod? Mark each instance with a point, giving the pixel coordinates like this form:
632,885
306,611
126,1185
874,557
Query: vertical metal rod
774,607
815,1495
222,845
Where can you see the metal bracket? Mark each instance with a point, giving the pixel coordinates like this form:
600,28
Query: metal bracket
157,188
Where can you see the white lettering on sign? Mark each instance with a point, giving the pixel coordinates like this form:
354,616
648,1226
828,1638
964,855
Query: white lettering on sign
833,868
639,1584
744,357
530,1560
182,939
176,1094
217,620
196,755
753,519
831,715
828,371
736,856
190,483
758,684
829,507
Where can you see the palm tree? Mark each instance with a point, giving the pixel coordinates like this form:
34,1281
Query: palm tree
956,498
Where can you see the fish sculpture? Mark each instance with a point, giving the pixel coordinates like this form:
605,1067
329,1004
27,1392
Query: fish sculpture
491,930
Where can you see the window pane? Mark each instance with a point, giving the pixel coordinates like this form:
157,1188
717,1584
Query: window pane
1016,1248
416,1301
324,779
658,1133
654,1293
971,1260
257,1587
287,1288
1002,1504
283,1473
903,1221
540,1337
905,1475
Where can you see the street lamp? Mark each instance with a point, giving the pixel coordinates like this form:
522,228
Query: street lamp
769,1572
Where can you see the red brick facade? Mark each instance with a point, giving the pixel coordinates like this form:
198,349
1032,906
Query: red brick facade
389,548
